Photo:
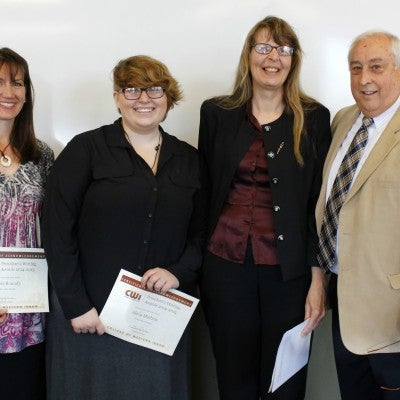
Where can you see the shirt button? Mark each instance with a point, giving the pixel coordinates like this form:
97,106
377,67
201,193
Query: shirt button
155,189
271,154
150,215
280,237
276,208
145,241
275,180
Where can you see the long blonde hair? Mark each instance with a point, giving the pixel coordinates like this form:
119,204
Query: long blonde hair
296,101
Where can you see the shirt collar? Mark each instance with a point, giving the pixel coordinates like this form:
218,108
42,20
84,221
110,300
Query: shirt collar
115,137
383,119
251,118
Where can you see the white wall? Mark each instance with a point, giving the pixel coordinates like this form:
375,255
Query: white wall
72,46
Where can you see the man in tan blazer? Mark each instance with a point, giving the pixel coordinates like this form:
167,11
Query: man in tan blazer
365,280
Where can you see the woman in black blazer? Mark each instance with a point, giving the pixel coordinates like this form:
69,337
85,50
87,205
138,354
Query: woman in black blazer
262,149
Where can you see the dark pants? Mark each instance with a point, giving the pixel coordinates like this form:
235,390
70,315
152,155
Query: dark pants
248,308
362,376
23,374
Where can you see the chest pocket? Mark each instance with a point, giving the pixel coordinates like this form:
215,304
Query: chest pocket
112,173
394,281
184,180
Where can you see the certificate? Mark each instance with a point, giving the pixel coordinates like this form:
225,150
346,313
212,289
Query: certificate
146,318
23,280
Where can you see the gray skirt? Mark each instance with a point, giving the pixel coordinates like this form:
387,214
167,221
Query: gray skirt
85,366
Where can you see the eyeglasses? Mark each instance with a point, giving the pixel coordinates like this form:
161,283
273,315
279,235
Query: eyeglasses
131,93
264,48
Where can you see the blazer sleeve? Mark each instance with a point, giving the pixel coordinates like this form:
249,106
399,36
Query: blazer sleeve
187,268
319,129
205,142
208,122
66,187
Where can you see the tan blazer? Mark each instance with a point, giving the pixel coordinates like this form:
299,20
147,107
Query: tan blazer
369,242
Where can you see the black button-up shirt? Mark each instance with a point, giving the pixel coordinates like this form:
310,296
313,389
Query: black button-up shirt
105,210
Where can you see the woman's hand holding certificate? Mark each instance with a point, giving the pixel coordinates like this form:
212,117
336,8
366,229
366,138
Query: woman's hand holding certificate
144,317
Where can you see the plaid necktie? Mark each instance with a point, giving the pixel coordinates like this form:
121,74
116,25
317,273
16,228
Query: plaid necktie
341,185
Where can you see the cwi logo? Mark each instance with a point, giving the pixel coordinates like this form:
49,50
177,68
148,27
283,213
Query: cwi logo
133,295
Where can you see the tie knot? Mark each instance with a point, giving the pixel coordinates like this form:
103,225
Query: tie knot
367,121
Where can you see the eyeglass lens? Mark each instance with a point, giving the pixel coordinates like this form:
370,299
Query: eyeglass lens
264,48
154,92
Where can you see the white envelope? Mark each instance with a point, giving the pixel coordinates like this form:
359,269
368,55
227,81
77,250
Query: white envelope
293,353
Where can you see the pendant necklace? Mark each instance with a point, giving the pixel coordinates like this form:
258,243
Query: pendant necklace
156,148
5,160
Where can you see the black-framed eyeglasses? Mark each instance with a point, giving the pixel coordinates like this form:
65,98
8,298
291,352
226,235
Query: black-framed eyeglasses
131,93
264,48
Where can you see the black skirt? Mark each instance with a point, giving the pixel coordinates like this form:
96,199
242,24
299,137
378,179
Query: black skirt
85,366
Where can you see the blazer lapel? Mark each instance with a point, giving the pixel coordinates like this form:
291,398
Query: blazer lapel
389,139
236,149
340,127
242,141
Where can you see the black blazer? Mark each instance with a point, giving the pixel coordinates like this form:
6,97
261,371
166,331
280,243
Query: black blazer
225,136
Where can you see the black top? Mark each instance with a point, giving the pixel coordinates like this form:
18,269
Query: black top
105,210
225,137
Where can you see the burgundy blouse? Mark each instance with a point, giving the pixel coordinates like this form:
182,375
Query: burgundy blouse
247,212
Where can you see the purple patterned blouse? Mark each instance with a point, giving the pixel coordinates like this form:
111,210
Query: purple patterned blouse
21,196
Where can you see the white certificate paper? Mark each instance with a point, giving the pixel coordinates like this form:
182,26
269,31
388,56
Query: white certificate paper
293,353
144,317
23,280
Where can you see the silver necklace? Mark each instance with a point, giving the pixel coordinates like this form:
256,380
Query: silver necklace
156,148
5,160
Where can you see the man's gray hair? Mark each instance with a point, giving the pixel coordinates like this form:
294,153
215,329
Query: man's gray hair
395,42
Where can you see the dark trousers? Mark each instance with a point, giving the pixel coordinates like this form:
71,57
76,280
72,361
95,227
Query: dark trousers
23,374
362,376
248,308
